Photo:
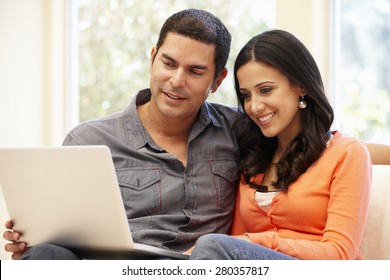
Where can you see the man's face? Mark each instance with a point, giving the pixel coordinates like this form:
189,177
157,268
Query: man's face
182,76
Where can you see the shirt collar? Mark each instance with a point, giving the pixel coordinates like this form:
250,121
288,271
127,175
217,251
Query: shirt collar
138,137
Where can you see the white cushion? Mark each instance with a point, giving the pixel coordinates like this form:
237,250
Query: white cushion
376,239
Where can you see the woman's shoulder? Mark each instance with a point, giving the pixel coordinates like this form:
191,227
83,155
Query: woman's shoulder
342,143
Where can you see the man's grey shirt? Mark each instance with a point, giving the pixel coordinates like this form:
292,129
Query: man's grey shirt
169,205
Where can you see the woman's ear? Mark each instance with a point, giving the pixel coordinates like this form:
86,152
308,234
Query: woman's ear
301,90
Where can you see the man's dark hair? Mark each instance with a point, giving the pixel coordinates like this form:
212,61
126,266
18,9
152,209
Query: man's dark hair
202,26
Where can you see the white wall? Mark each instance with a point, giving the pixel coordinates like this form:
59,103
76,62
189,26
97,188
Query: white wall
21,72
32,72
309,21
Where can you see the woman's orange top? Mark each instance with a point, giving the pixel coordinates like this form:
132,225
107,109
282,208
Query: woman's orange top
323,213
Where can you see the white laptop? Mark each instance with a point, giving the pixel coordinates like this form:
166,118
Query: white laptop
70,196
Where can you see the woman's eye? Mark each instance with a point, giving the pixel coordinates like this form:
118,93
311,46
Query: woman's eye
265,90
245,96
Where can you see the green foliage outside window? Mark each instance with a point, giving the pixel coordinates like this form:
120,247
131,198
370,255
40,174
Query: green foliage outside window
363,82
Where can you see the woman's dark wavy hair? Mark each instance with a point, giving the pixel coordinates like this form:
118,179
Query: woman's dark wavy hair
284,52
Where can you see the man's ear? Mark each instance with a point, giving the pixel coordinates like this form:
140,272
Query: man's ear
218,81
153,54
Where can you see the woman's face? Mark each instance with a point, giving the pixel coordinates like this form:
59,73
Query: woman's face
270,100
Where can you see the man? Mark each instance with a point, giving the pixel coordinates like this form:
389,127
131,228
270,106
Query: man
175,155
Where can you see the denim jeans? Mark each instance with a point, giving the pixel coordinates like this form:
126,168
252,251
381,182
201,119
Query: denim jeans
224,247
49,252
53,252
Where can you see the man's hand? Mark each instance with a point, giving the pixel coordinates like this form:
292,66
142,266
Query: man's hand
16,247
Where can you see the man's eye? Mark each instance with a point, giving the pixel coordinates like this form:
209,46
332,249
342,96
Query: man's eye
168,63
197,73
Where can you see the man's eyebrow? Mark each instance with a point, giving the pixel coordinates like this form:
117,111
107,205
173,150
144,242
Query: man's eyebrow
201,67
167,57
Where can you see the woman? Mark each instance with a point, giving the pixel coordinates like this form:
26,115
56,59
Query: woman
305,189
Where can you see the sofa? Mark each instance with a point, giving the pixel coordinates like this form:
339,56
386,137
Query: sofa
376,239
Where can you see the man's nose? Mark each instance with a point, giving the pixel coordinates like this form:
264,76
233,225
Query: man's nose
178,78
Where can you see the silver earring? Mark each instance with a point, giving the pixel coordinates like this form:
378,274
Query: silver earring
302,104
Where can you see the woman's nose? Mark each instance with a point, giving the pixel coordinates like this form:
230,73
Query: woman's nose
257,106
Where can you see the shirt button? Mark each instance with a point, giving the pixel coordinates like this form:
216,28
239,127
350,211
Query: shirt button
187,213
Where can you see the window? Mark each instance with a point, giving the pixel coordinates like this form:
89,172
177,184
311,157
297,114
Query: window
362,71
115,38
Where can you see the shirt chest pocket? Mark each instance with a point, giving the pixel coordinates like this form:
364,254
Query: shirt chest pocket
225,181
141,191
